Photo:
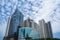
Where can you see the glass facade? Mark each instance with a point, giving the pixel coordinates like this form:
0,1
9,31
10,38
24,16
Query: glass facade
16,20
30,24
24,31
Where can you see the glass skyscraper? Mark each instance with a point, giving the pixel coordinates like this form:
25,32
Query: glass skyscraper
16,20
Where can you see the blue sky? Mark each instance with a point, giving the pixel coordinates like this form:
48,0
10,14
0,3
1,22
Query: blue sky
35,9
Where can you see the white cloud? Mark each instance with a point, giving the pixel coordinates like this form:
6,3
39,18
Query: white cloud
31,0
35,8
9,4
27,6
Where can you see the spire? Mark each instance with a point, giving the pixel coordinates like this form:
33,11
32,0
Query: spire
16,12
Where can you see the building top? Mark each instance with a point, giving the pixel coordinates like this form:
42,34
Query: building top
17,12
29,19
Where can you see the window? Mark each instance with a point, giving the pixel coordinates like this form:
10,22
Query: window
30,24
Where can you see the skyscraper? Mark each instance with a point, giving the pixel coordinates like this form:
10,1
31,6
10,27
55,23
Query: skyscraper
49,30
42,29
16,20
13,22
45,29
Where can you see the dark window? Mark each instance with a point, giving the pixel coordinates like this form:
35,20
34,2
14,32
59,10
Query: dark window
30,24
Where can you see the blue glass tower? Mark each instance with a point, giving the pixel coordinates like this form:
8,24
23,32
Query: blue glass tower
16,20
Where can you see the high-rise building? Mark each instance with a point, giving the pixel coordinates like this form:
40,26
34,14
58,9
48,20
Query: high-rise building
12,26
30,23
42,29
16,20
49,30
45,29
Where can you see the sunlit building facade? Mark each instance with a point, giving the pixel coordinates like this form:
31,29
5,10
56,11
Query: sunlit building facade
42,29
45,29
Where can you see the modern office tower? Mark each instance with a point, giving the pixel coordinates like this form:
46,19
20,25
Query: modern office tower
45,29
16,20
13,22
49,30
